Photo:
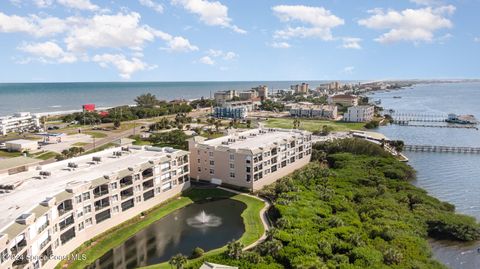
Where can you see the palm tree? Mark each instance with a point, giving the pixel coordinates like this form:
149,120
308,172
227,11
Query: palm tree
234,249
146,100
217,124
178,261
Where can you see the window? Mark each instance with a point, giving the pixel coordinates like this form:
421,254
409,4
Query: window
4,256
78,199
212,171
248,178
115,198
87,209
116,209
212,162
86,196
81,226
199,169
136,177
232,175
232,156
79,213
138,199
210,153
232,166
198,160
248,169
113,185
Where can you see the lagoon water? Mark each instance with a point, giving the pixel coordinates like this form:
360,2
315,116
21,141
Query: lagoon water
451,177
173,234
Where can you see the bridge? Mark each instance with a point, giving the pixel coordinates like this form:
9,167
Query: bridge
441,149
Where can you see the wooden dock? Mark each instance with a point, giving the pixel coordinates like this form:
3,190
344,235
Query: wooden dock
441,149
456,126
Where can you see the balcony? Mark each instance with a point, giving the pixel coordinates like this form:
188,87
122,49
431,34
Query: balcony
66,222
148,195
147,184
43,227
45,243
18,247
101,204
64,207
126,181
100,191
102,216
147,173
126,193
67,236
127,205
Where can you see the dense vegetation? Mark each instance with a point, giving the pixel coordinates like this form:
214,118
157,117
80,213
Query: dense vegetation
148,106
269,105
352,207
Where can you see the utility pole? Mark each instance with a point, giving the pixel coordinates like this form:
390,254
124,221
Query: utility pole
93,143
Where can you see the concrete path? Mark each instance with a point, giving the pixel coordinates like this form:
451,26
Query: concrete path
263,217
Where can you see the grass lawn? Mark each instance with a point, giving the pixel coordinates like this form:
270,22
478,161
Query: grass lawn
6,154
101,244
100,148
96,134
46,155
312,124
79,144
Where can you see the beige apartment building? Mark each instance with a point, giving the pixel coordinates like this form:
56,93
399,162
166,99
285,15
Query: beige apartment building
249,159
50,210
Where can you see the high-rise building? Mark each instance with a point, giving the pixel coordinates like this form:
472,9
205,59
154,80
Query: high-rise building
19,122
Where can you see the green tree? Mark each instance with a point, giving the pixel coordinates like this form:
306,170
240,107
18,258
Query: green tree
116,124
178,261
197,252
146,100
234,249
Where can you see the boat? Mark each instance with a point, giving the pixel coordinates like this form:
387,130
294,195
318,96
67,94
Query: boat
461,119
397,97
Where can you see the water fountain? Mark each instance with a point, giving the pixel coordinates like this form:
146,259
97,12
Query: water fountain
203,220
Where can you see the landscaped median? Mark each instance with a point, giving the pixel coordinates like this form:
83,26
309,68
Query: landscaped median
101,244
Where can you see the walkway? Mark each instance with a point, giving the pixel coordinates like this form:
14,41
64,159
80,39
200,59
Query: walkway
263,216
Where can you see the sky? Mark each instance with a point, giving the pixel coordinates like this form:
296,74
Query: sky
241,40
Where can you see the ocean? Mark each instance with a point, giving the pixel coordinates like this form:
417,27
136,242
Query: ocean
451,177
51,97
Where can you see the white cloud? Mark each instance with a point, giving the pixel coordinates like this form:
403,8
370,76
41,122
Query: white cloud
78,4
125,66
211,13
351,43
280,45
32,25
206,60
48,51
227,56
180,44
476,39
426,2
318,20
153,5
17,3
348,69
414,25
112,31
43,3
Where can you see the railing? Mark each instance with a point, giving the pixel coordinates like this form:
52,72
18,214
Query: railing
44,243
100,193
67,222
43,227
61,212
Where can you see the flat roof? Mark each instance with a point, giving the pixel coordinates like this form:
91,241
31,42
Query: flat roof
10,163
30,189
255,138
21,141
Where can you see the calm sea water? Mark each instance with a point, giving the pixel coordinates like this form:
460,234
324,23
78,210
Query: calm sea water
451,177
49,97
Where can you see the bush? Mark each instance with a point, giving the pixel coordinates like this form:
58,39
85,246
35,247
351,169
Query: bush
372,124
197,252
454,226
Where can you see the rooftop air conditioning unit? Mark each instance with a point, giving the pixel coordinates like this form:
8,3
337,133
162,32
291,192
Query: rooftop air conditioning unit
72,165
45,173
96,159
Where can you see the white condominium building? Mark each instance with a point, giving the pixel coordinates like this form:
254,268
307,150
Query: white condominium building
314,111
359,114
249,159
19,122
50,210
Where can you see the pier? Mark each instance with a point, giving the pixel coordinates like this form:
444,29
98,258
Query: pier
441,149
407,123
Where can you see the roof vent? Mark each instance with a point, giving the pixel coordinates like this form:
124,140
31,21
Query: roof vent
45,174
96,159
72,165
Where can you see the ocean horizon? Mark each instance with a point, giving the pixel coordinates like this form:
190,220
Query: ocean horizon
57,97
